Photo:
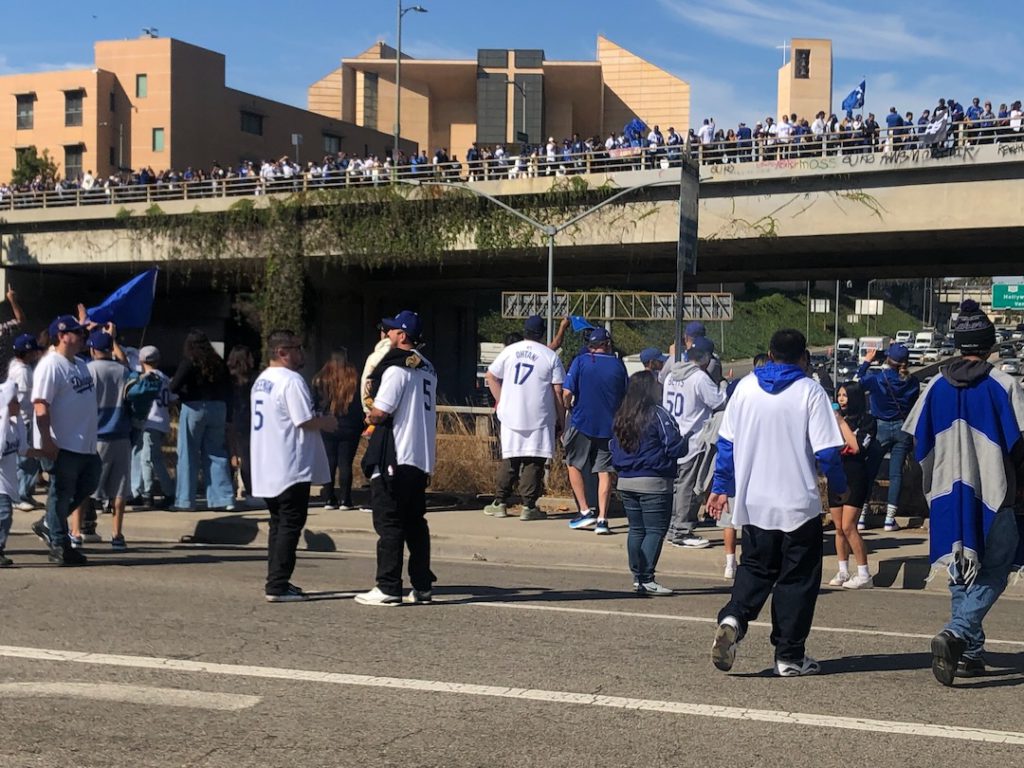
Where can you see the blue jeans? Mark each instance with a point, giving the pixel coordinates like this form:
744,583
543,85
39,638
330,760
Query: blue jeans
147,454
6,517
74,477
202,441
648,515
971,604
894,441
28,470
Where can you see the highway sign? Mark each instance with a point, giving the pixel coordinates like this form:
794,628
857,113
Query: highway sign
871,307
619,306
820,306
1007,296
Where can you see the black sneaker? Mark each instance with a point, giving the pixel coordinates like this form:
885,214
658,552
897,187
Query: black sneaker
5,562
66,556
947,649
292,594
39,529
970,666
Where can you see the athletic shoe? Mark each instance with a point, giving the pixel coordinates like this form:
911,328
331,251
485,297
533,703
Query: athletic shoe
5,562
292,594
496,509
583,520
75,541
639,591
862,522
66,556
859,582
654,588
968,666
602,529
723,650
807,666
25,506
376,597
947,649
839,579
533,513
346,507
91,537
730,572
39,529
891,524
117,543
419,597
692,541
330,505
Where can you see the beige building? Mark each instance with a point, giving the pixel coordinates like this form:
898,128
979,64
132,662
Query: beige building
805,81
161,103
501,95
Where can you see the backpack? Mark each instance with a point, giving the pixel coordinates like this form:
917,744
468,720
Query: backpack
140,393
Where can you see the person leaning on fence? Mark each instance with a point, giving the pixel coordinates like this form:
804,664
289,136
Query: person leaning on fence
525,380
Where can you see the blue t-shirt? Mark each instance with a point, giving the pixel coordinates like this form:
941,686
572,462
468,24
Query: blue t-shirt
598,383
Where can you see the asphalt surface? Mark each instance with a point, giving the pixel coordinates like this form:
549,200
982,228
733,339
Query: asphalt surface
301,683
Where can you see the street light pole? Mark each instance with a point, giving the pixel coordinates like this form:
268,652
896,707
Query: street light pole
398,79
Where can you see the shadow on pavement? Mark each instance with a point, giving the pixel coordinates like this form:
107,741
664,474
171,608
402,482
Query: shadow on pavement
486,594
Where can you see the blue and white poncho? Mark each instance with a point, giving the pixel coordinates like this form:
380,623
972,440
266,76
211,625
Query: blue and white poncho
966,425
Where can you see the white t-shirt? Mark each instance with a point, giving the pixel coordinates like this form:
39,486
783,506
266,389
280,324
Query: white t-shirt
282,453
409,395
12,444
527,370
67,387
159,417
20,375
691,402
775,437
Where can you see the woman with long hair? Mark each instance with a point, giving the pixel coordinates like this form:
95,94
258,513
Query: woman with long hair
242,367
859,429
645,447
203,384
335,393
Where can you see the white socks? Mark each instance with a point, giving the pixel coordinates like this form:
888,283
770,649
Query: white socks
730,561
890,511
862,571
844,567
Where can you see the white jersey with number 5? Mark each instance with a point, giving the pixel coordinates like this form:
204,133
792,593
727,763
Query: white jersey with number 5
282,454
410,396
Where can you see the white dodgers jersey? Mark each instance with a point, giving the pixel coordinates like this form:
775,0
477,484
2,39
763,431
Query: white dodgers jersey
527,370
409,394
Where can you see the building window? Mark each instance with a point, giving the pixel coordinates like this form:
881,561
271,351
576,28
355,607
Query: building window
141,86
26,111
73,107
370,100
72,161
158,139
113,102
252,123
112,157
802,64
332,144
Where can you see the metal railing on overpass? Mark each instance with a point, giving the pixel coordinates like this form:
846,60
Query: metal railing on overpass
535,165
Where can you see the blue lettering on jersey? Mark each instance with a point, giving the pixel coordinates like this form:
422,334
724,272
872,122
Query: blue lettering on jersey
80,384
262,385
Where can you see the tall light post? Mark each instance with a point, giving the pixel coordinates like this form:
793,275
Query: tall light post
398,78
522,91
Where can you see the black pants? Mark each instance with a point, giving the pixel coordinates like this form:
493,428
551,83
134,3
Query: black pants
788,567
529,472
399,518
341,451
287,519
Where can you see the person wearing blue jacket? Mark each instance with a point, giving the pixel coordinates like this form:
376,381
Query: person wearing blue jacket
645,446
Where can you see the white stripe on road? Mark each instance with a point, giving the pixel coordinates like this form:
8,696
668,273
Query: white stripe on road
888,727
131,694
707,620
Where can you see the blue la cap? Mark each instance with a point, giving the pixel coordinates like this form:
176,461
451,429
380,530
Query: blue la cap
26,342
535,325
101,341
650,354
405,320
599,336
65,324
696,328
898,353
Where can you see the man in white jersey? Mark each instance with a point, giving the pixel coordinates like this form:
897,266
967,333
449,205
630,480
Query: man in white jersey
287,455
65,432
399,460
19,371
526,382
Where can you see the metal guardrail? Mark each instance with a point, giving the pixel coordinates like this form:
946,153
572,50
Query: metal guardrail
537,164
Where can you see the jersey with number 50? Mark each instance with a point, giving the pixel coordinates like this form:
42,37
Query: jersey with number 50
527,369
410,396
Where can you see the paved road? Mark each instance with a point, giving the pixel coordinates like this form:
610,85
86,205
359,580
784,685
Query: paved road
518,666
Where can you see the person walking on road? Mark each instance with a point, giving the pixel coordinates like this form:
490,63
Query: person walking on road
335,393
593,390
778,430
645,447
967,434
892,394
399,460
287,457
525,380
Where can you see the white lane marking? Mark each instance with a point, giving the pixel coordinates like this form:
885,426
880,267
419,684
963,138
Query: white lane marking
888,727
131,694
707,620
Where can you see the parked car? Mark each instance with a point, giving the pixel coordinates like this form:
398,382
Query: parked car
930,355
914,358
1011,365
947,349
846,366
1007,350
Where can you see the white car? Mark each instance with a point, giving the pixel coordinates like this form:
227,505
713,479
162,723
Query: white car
1011,365
930,355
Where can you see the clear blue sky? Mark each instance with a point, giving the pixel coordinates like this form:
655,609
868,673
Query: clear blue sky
911,54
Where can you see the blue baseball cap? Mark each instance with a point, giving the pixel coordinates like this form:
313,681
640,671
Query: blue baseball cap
696,328
599,336
101,341
535,325
898,353
405,320
65,324
650,354
703,344
26,342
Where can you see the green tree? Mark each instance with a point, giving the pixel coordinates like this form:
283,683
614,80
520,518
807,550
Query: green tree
31,164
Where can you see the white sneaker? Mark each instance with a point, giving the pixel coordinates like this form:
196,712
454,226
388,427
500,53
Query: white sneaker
723,649
808,666
25,506
730,572
839,579
859,582
693,541
654,588
376,597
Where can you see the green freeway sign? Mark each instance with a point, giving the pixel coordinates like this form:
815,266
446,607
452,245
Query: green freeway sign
1007,296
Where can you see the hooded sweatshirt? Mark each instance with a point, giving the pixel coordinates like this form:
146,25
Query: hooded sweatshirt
967,436
778,429
691,397
659,447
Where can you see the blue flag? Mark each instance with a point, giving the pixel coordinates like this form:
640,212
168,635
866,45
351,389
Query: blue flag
130,305
855,100
580,323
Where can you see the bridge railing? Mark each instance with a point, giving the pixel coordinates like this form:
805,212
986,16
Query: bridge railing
537,164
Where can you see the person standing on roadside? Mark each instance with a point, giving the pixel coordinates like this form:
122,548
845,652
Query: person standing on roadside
335,394
892,392
64,399
777,432
26,354
525,380
287,457
153,429
967,433
12,444
398,462
242,368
